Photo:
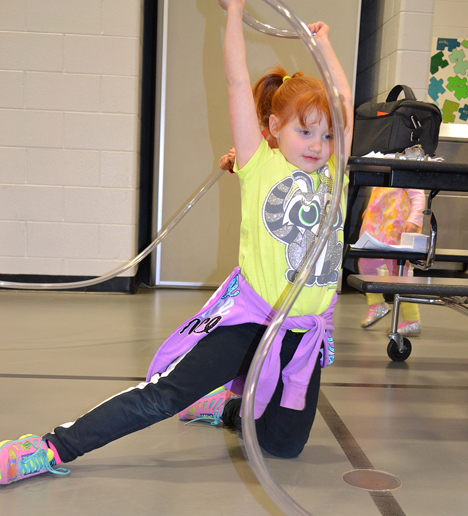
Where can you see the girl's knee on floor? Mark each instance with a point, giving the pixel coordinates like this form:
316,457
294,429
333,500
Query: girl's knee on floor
284,450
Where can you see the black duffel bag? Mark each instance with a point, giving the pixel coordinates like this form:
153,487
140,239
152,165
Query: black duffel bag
395,125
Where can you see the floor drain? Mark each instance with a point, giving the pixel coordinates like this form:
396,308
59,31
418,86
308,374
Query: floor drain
372,480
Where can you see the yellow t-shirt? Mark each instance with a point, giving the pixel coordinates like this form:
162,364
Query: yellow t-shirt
282,208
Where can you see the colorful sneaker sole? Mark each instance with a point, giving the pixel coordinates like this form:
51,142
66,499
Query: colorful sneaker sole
26,457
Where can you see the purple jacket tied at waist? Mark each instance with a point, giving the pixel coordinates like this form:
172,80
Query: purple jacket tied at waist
235,302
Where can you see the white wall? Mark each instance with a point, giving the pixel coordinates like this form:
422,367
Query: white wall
69,135
451,16
395,45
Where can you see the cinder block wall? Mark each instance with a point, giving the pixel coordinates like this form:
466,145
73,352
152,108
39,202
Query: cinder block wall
69,135
394,47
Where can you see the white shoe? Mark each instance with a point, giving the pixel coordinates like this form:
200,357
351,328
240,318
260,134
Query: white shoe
410,328
374,313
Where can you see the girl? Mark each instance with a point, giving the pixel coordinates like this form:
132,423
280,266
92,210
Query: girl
285,193
391,212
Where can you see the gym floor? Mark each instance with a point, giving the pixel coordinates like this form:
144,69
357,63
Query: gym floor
63,353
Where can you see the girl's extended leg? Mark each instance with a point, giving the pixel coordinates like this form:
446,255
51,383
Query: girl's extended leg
281,431
222,355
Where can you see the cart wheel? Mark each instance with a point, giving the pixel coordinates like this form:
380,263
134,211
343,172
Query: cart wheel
394,353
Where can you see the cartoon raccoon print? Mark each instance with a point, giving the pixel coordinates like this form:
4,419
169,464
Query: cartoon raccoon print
292,214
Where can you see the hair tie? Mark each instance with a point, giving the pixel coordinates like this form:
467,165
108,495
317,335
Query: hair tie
286,77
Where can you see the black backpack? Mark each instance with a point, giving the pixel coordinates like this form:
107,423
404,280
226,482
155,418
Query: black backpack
395,125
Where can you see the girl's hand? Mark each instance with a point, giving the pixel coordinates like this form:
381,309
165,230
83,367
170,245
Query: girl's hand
225,3
409,227
319,29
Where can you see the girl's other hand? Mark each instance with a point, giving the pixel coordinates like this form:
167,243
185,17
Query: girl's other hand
409,227
226,162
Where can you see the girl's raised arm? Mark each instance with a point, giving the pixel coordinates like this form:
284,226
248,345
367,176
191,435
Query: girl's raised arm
322,31
245,128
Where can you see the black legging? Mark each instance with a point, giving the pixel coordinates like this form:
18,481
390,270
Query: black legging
221,356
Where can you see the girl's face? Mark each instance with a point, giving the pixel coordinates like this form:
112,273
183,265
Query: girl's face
308,148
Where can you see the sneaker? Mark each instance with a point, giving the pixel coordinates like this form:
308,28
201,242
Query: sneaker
209,408
26,457
374,313
410,328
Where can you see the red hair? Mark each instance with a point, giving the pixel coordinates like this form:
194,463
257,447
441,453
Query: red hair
288,97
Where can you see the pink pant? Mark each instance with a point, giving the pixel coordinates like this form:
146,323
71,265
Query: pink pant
368,266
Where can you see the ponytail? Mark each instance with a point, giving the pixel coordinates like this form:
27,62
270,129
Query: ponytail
263,92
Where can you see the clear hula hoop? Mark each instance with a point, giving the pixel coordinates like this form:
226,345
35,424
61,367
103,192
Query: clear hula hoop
257,463
128,265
